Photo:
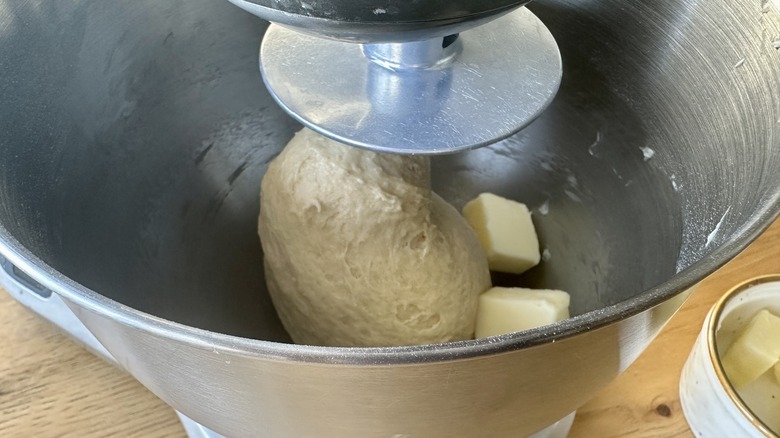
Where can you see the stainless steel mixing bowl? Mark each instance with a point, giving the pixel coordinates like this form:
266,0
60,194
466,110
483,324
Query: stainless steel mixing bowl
133,136
379,20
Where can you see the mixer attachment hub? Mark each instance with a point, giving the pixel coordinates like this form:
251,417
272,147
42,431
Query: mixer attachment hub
415,55
440,95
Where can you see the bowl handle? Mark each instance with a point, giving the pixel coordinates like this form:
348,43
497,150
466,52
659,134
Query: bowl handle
48,305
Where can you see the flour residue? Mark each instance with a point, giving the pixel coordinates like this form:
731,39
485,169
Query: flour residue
714,233
647,153
592,147
544,208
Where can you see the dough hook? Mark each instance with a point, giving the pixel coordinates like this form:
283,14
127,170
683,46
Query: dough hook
408,79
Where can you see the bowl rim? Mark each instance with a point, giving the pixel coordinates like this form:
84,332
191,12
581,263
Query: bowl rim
712,348
86,299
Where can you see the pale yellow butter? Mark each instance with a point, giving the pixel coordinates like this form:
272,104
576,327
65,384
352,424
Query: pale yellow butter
506,232
506,310
756,350
777,372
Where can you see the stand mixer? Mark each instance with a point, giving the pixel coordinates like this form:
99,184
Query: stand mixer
434,78
420,78
134,136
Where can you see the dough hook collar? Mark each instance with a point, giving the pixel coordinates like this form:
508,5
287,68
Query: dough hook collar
437,96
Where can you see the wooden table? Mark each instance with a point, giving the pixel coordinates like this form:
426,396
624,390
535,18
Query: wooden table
50,386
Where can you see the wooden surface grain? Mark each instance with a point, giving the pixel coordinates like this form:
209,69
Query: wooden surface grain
52,387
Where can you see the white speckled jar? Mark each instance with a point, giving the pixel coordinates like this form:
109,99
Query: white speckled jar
711,405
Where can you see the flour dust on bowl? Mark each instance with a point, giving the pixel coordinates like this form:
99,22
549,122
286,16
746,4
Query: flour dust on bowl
133,138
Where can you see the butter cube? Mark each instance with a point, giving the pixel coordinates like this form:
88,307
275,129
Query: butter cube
506,310
505,229
756,350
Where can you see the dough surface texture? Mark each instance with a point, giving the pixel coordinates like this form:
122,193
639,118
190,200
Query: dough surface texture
358,251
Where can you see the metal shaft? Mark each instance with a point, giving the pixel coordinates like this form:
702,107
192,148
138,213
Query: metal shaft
416,55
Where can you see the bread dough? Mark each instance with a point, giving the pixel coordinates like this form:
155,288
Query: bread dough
358,250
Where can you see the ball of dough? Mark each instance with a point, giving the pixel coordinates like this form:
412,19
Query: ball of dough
360,252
